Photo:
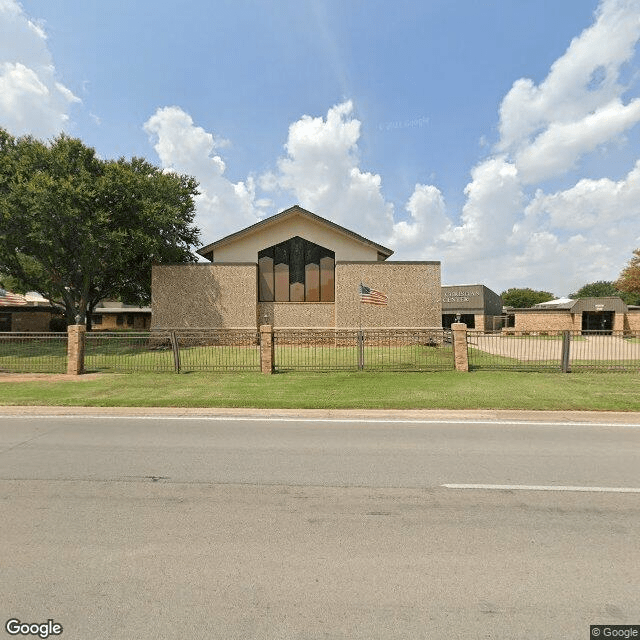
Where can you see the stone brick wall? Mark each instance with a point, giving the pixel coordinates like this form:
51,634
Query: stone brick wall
632,320
31,321
297,314
204,295
413,289
546,321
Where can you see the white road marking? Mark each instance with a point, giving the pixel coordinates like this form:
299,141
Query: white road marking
533,487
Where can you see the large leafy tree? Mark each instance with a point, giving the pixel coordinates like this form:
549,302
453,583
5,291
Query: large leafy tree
629,280
523,298
602,289
77,228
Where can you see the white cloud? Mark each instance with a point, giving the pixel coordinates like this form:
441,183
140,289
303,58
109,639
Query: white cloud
322,170
579,83
515,239
32,100
427,221
222,206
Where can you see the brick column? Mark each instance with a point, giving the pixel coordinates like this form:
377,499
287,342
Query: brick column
75,349
461,359
266,348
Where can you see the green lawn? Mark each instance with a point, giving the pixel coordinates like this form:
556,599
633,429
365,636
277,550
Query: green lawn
339,390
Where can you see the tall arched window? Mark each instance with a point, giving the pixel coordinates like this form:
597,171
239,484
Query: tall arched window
296,270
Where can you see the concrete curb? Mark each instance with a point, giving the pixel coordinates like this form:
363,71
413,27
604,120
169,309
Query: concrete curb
418,415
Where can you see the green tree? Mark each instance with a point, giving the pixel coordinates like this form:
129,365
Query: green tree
78,229
523,298
629,280
603,289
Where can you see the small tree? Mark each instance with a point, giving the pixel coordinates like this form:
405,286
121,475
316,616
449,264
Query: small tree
78,229
523,298
629,280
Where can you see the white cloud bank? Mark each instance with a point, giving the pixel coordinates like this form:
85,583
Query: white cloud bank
32,100
510,232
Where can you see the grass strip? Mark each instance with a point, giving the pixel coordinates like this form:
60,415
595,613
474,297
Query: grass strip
338,390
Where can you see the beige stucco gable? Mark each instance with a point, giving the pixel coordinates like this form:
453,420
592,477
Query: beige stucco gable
244,245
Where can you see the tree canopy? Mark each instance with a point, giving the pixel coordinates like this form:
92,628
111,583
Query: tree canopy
605,288
523,298
629,280
78,229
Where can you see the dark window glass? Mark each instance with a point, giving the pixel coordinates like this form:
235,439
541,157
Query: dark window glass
296,271
96,318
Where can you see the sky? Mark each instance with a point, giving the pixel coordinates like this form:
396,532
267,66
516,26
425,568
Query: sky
498,137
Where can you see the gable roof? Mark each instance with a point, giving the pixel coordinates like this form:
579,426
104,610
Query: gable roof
296,210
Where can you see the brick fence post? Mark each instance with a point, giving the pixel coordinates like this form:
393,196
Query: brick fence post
266,348
75,349
460,357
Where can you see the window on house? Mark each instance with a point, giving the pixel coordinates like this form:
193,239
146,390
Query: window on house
96,318
296,271
120,319
5,322
130,319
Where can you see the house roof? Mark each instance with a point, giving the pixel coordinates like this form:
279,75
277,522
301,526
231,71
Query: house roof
558,303
8,299
296,210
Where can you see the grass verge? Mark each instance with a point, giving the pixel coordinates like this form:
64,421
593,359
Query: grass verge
338,390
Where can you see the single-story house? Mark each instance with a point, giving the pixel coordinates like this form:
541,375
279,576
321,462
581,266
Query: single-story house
604,315
295,269
30,312
113,315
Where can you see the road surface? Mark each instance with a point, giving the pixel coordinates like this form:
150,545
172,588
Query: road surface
245,527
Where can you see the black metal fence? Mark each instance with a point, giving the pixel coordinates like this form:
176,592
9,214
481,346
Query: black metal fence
381,350
193,350
124,351
323,350
33,352
555,351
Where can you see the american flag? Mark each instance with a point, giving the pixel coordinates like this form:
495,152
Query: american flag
371,296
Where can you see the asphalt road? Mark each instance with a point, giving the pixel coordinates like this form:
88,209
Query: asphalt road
192,527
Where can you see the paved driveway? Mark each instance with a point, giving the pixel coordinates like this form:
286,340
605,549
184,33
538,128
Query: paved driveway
550,348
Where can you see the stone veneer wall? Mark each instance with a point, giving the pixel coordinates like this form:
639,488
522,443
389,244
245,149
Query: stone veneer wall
31,320
218,295
413,289
546,321
297,314
632,320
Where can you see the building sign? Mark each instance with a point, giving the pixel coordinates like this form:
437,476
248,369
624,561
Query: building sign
457,297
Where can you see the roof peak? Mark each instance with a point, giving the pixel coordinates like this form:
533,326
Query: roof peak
295,209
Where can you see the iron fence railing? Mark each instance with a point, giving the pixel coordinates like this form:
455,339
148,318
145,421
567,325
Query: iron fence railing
218,350
597,351
200,350
383,350
33,352
323,350
125,351
555,351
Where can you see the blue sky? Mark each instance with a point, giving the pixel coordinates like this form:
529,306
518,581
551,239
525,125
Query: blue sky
498,137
